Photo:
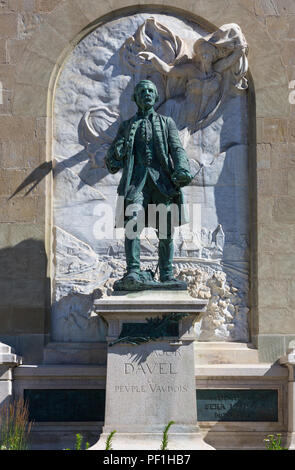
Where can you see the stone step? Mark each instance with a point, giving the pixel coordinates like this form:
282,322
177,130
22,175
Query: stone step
225,353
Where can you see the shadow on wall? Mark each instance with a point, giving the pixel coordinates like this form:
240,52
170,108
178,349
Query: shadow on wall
25,299
34,300
34,178
38,174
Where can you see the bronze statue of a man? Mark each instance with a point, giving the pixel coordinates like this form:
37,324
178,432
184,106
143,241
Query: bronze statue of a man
155,167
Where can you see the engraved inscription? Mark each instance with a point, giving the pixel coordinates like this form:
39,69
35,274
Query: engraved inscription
237,405
160,353
162,368
154,388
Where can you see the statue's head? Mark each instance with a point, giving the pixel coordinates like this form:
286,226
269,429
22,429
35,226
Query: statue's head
205,52
145,94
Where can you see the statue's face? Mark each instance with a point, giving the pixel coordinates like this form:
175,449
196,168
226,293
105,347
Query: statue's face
206,53
146,96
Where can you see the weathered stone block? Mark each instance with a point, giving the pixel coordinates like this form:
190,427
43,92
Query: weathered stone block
24,260
265,209
291,131
281,156
7,76
6,105
284,265
186,4
244,5
255,31
22,320
259,131
28,22
291,75
16,233
22,293
27,320
291,292
275,130
3,55
22,5
268,71
17,128
18,210
272,182
29,346
287,53
264,182
208,11
276,320
291,181
281,28
286,7
30,100
93,10
8,25
268,291
291,149
266,7
48,43
276,237
16,180
15,50
68,20
265,264
263,156
4,6
284,210
279,180
4,186
20,155
41,129
270,347
273,102
46,5
34,70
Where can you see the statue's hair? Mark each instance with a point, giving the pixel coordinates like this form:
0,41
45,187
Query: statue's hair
140,84
202,42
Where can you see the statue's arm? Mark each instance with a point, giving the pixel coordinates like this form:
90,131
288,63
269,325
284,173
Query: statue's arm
226,63
115,155
180,70
181,175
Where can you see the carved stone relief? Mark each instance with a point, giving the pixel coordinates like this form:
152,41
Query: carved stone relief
201,78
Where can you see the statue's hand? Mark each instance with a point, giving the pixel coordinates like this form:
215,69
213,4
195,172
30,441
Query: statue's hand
119,149
181,178
146,55
113,165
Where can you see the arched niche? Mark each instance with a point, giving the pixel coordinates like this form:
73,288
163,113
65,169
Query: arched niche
92,92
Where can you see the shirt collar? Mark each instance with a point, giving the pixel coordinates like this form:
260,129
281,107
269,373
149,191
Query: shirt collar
145,114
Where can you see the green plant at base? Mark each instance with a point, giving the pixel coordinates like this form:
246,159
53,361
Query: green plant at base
15,426
109,440
79,440
165,436
78,443
274,443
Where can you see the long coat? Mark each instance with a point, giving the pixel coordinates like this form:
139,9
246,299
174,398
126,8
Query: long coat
169,152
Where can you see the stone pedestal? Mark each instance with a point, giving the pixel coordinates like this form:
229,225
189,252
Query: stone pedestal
289,361
151,383
8,360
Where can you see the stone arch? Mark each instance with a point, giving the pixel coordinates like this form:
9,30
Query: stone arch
70,21
39,68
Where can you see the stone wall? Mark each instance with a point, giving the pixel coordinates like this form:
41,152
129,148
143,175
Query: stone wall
35,38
